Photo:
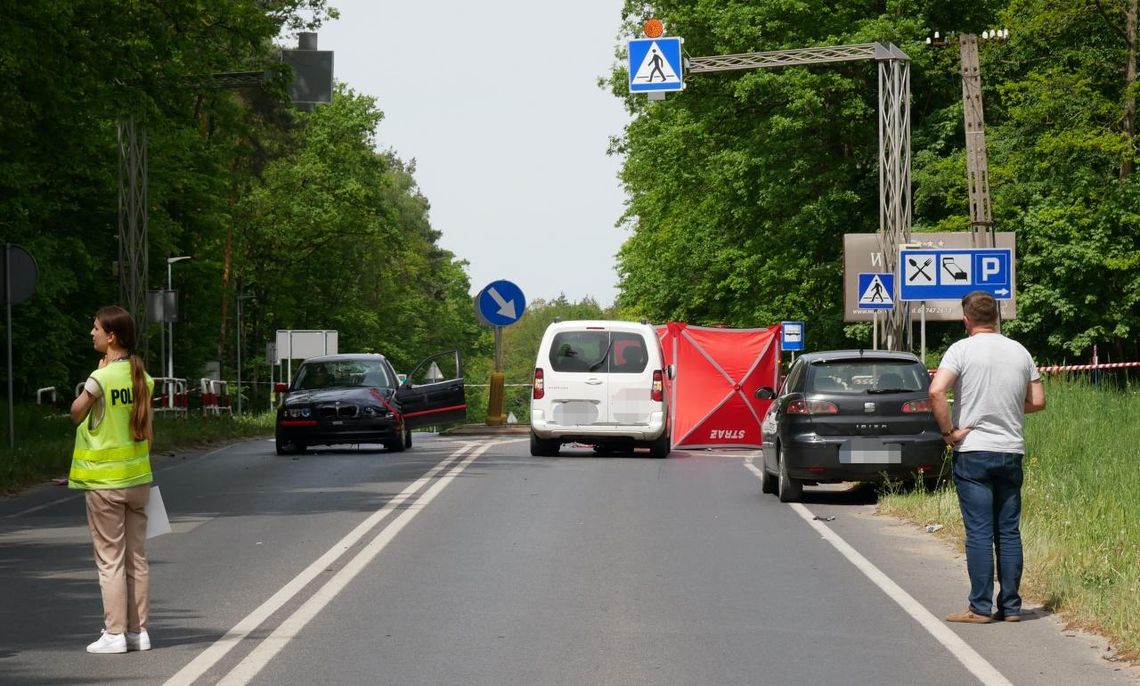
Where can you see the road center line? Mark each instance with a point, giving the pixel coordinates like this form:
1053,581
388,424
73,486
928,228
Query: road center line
220,648
978,665
253,663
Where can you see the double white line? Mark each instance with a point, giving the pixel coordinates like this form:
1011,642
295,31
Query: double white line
248,668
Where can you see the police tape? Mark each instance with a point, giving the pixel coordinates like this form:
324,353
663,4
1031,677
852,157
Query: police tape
1086,367
1053,369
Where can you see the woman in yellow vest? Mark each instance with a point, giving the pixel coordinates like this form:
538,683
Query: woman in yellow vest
111,461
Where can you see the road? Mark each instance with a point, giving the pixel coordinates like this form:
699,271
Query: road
467,561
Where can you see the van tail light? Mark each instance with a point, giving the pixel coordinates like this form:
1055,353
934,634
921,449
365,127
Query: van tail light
812,407
538,391
657,392
917,407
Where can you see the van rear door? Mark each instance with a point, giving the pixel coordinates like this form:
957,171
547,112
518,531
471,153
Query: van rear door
576,379
630,379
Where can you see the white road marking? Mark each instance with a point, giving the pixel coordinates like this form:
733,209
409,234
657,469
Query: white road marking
253,663
220,648
978,665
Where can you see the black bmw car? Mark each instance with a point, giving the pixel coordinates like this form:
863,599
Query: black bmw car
338,399
849,415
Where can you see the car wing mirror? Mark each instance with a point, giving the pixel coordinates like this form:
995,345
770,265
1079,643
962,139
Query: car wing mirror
765,393
280,388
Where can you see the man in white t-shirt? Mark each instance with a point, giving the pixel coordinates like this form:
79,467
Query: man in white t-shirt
995,383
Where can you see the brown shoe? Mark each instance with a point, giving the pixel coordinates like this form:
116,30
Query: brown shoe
1002,617
969,617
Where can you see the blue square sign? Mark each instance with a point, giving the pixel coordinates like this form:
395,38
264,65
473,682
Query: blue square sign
792,336
655,65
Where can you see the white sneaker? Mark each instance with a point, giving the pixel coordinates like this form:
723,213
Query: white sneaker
139,641
109,643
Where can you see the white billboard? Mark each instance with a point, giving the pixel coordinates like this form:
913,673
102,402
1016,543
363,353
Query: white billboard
301,344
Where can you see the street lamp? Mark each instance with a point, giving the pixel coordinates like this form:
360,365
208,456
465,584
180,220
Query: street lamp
170,350
240,298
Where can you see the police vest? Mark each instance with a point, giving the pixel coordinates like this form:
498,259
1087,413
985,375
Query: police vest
108,456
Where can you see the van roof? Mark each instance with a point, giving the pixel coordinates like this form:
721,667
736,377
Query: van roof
602,324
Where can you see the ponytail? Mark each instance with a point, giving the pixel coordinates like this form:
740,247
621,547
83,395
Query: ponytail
140,409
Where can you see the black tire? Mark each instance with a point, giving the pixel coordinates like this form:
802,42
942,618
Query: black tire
542,447
788,489
395,446
769,482
660,448
407,438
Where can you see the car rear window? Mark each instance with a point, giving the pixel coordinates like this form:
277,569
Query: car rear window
868,376
616,352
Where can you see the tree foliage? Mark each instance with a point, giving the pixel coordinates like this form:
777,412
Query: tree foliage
741,187
322,230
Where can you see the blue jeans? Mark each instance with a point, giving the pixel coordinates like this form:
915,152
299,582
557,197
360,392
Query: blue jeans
989,494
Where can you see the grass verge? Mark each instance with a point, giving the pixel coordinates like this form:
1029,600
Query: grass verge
1080,522
43,441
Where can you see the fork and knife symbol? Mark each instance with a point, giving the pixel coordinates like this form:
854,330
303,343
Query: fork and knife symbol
920,269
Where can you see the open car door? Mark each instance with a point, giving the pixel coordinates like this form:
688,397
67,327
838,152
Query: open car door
433,395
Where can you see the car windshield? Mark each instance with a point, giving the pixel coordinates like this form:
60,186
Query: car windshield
868,376
342,373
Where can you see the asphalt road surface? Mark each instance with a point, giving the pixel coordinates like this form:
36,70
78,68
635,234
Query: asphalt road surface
467,561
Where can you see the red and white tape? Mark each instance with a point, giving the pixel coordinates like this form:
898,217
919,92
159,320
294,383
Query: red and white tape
1087,367
1076,367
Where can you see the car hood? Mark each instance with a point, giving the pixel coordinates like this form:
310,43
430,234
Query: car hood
356,395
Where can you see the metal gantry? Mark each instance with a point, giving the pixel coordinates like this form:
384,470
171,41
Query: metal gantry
894,140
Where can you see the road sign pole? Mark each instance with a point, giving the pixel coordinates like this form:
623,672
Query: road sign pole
875,330
922,329
495,414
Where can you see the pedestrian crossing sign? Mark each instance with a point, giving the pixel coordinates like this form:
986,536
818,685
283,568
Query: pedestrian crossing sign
655,65
876,291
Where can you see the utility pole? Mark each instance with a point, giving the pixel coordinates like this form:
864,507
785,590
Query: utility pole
977,161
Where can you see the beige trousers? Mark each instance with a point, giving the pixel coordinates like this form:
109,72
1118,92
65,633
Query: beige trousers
117,520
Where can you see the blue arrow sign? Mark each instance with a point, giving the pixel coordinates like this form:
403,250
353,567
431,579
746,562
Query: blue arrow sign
655,65
876,291
791,336
500,303
950,273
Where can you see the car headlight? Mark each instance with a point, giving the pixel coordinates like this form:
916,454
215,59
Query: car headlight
297,412
372,411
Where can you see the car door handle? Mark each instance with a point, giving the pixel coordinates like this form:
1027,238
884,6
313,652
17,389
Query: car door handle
594,382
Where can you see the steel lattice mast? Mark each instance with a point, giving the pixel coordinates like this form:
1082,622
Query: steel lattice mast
894,140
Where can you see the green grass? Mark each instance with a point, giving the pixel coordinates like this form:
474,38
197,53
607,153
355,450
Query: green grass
44,440
1080,509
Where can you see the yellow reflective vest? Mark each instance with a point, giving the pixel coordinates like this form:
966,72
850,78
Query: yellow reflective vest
108,456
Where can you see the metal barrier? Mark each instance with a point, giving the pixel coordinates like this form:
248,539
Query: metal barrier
215,397
170,395
49,391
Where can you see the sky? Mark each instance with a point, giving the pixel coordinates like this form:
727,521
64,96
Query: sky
498,105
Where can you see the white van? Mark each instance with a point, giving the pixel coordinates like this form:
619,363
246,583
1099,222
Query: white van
601,383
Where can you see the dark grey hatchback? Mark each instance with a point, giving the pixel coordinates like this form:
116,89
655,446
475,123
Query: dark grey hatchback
849,415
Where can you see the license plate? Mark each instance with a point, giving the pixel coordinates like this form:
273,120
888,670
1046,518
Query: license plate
865,450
